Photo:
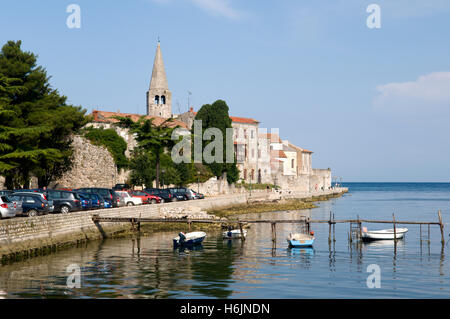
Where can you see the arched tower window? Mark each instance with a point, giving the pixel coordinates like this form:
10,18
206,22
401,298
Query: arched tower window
163,99
157,99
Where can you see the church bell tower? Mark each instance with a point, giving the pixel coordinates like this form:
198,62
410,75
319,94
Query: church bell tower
159,97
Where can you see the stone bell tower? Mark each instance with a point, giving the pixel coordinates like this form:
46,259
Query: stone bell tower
159,97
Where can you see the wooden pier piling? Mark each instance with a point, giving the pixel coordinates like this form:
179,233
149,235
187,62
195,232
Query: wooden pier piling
441,226
395,229
354,233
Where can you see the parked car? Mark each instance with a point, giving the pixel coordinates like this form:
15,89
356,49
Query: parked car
198,195
33,204
106,193
86,201
146,197
64,201
9,208
129,200
121,187
164,194
97,200
185,192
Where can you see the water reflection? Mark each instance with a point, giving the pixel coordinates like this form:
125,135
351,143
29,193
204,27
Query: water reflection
149,267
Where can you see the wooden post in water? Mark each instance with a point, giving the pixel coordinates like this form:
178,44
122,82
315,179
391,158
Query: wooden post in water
242,232
334,230
274,233
441,225
329,230
395,230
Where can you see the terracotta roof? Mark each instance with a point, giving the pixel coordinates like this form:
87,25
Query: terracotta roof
300,149
245,120
277,154
107,117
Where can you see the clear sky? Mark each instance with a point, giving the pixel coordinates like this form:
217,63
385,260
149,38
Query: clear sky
373,104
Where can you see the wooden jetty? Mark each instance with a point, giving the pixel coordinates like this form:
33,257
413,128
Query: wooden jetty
355,224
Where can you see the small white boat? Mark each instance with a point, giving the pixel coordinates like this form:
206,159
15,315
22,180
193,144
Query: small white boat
193,238
234,234
300,240
384,234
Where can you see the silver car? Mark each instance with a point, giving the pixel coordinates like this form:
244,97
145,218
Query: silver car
9,208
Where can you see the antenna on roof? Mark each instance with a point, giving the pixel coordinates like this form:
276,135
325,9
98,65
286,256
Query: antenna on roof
189,94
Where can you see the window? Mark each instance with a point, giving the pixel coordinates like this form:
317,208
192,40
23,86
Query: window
245,173
29,200
5,199
54,195
252,177
65,195
157,99
163,99
252,133
292,163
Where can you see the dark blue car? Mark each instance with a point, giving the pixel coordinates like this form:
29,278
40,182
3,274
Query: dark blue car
86,201
97,200
33,204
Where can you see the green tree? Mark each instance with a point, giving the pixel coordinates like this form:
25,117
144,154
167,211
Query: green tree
42,121
155,139
216,116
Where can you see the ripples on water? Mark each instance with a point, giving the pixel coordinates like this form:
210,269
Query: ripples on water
151,268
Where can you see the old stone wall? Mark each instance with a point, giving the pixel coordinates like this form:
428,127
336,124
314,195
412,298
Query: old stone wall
93,167
320,178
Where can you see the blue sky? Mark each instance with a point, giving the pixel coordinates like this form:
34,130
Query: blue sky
373,104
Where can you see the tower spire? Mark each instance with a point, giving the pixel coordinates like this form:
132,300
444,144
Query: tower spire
159,97
159,78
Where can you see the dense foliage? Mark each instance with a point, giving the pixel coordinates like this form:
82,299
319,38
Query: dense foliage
109,138
36,123
216,116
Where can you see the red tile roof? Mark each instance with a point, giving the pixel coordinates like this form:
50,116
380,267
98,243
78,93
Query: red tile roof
277,154
108,117
300,149
244,120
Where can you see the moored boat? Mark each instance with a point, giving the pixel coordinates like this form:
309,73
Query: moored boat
234,234
300,240
193,238
383,234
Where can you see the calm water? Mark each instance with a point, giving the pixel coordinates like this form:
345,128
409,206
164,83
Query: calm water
118,268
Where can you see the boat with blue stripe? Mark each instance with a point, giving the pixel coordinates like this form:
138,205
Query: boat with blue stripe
300,240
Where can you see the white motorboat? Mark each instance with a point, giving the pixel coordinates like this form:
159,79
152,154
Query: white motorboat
383,234
193,238
234,234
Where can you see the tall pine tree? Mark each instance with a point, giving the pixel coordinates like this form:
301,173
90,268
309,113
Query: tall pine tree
38,115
